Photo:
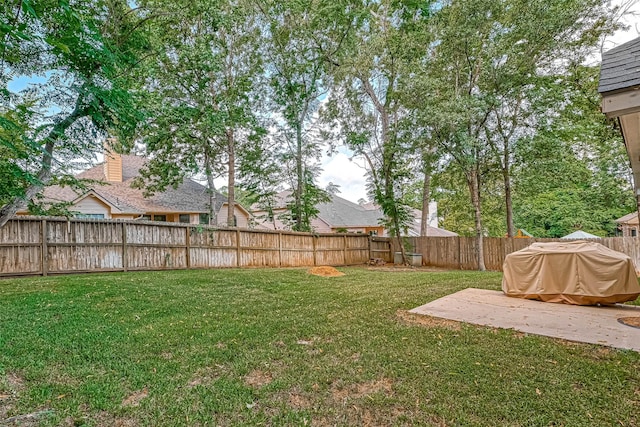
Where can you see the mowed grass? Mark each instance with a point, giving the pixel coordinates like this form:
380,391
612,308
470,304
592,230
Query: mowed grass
282,347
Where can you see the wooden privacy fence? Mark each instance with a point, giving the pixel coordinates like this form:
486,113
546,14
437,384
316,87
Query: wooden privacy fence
32,245
460,253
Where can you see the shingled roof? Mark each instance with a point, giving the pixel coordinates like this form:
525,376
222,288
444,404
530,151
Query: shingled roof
342,213
620,67
188,197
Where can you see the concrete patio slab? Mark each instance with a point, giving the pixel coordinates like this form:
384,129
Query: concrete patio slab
588,324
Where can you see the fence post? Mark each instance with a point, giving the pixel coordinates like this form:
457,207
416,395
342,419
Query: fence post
187,240
44,251
344,252
314,237
238,247
369,246
125,262
279,249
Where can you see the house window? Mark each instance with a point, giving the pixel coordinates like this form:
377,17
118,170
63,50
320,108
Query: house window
93,216
373,232
235,221
184,218
160,218
146,217
633,232
204,218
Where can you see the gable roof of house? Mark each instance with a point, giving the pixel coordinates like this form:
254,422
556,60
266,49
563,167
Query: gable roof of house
342,213
620,67
630,218
187,197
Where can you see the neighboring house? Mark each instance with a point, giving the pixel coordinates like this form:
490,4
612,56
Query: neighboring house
628,224
117,199
341,215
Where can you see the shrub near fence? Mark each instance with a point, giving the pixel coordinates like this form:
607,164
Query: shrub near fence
34,245
459,253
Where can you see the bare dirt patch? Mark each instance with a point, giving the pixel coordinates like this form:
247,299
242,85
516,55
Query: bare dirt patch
14,381
428,321
205,376
257,378
356,391
325,271
136,397
295,399
106,419
298,401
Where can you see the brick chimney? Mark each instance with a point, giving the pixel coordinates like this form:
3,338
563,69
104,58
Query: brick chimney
112,163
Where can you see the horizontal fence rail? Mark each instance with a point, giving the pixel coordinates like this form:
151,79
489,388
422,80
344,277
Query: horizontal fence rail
42,246
460,253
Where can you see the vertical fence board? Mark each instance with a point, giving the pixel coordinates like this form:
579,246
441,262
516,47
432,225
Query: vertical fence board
33,245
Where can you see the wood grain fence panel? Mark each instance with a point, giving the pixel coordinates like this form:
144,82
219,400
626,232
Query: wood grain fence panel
156,258
98,245
20,259
357,250
330,257
20,248
330,250
20,232
75,258
211,237
297,250
213,257
381,247
260,258
255,239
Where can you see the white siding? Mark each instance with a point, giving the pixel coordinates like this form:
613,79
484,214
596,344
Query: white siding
91,205
241,216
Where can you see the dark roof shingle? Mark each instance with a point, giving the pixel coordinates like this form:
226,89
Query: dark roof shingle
187,197
620,67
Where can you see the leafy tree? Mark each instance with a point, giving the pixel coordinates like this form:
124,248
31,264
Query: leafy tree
573,174
202,94
366,104
488,74
85,51
304,36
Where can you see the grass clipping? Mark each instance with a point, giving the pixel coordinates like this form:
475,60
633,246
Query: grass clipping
325,271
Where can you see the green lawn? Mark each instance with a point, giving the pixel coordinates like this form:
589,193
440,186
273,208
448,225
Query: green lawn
282,347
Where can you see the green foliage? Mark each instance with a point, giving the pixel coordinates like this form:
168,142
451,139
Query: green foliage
85,52
303,210
573,175
200,90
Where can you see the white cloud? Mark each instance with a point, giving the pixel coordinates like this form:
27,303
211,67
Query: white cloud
348,174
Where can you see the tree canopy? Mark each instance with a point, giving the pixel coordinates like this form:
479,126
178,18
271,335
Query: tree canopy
488,107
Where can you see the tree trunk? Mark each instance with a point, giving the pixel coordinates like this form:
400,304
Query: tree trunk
211,189
44,175
231,202
506,175
426,196
474,188
299,178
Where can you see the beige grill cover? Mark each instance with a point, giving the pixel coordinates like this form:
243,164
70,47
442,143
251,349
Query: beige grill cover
578,272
